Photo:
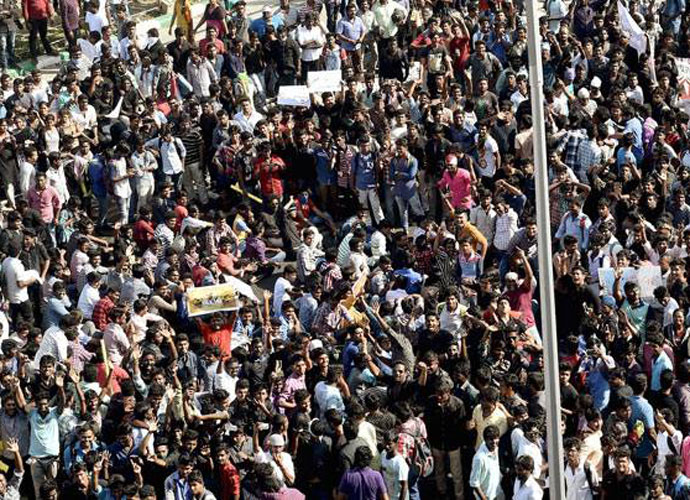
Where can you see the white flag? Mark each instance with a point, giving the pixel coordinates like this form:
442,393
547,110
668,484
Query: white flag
638,40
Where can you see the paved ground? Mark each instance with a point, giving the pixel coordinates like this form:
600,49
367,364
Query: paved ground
144,13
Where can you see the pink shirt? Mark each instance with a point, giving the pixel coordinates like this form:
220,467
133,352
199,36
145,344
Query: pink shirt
46,202
459,188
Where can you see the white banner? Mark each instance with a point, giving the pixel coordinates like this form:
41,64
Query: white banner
638,39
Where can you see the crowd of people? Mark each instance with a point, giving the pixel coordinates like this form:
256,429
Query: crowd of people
378,334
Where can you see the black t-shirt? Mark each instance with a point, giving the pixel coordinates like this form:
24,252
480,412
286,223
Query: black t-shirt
620,487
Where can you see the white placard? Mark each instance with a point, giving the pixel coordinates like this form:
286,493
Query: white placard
294,95
324,81
646,277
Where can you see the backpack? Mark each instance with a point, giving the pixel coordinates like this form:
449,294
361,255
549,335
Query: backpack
422,459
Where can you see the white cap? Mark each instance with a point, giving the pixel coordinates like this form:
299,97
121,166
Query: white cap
595,83
583,93
315,344
511,276
276,440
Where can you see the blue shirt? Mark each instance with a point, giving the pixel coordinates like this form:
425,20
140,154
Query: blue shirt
75,455
54,311
97,175
364,169
325,175
45,434
642,411
464,136
634,126
351,350
403,172
258,26
661,363
414,280
352,29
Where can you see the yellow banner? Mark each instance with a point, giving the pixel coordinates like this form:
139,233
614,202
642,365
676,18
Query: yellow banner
210,299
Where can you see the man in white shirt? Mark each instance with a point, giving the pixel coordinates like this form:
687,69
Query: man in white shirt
526,487
27,171
200,73
580,478
89,295
17,282
281,461
485,478
247,118
311,40
172,153
121,173
282,288
55,341
85,115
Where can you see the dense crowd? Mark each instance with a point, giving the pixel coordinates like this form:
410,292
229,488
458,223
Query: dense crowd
375,333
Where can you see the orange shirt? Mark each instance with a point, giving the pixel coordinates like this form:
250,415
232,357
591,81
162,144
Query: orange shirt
221,337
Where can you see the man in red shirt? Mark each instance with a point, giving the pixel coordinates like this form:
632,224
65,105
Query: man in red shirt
211,39
36,13
268,168
102,308
229,476
218,332
143,228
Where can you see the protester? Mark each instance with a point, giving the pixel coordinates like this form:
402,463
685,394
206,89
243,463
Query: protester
219,283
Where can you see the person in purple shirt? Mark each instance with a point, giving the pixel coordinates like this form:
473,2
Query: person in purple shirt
362,482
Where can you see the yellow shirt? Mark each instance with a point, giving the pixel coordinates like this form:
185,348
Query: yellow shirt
497,418
474,234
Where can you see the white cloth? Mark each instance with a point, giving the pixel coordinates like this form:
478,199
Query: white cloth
116,343
279,294
529,490
638,40
577,486
305,36
486,472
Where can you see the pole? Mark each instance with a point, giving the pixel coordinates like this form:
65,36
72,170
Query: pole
546,288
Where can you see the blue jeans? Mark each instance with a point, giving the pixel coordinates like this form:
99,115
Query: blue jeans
403,211
102,209
7,48
413,483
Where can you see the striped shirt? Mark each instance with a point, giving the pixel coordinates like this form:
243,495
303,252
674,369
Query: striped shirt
193,144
